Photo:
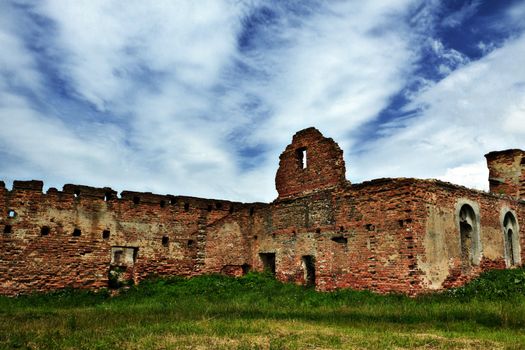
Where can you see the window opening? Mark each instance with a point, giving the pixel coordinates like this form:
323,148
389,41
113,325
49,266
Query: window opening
191,243
309,270
7,229
302,158
268,262
469,236
105,234
11,213
218,205
162,203
108,196
136,200
510,234
77,232
165,241
252,210
44,231
76,193
210,207
340,239
186,206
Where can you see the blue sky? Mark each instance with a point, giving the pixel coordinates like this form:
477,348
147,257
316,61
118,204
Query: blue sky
200,97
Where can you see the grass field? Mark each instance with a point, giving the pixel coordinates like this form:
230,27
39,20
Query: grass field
257,312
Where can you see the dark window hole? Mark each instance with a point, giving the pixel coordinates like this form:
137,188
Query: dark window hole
317,230
162,203
370,227
218,206
252,210
77,232
191,243
340,239
210,207
186,206
44,231
105,234
173,201
245,268
165,241
7,229
136,200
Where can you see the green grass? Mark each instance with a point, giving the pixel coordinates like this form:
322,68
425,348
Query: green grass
257,312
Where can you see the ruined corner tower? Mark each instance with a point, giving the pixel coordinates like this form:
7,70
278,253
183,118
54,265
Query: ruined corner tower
310,163
507,172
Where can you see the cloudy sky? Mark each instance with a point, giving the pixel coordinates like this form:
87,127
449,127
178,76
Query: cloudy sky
200,97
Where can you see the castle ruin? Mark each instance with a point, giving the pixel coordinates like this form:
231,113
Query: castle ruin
386,235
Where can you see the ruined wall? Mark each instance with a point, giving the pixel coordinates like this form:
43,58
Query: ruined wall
507,172
311,162
445,260
385,235
69,238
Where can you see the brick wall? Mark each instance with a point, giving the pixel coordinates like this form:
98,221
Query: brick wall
386,235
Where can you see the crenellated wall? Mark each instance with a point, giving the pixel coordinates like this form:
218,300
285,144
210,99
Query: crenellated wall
386,235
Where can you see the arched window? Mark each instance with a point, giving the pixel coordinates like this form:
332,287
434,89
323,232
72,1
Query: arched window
469,236
511,239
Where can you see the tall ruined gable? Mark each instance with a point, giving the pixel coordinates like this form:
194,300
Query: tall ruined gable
310,163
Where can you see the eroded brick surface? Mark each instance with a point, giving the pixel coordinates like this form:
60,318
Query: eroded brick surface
386,235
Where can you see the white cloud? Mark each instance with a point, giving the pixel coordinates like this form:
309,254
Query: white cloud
170,107
476,109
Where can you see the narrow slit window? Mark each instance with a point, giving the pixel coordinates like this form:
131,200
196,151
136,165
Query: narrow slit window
7,229
302,158
165,241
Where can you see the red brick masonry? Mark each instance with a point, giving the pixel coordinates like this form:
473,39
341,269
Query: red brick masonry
387,235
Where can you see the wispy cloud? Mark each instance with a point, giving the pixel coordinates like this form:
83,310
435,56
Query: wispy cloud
200,98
